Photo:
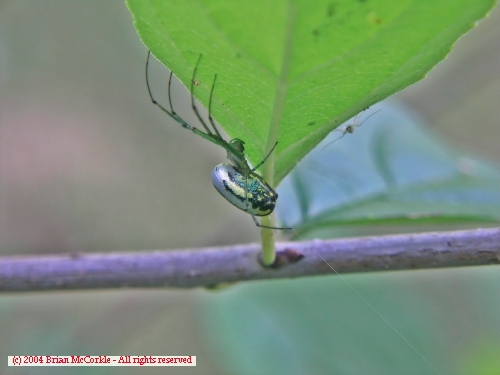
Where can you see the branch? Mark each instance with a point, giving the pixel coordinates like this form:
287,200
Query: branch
212,266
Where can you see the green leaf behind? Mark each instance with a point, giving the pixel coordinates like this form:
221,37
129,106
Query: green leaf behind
318,325
389,171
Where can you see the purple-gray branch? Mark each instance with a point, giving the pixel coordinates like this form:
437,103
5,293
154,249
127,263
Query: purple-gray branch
213,266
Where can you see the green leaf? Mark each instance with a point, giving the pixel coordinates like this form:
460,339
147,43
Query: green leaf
389,171
320,326
292,71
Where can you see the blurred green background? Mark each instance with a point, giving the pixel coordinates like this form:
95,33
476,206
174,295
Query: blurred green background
87,163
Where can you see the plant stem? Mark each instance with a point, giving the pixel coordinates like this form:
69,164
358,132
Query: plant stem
267,240
213,266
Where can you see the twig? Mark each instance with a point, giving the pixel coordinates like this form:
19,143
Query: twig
212,266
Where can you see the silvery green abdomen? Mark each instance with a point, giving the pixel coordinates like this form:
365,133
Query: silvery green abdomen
231,184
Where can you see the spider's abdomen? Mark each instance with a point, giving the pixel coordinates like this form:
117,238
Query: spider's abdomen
231,184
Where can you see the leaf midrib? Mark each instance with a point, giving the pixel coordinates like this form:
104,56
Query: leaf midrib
282,85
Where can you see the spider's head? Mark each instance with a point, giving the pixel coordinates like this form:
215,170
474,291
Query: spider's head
237,144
